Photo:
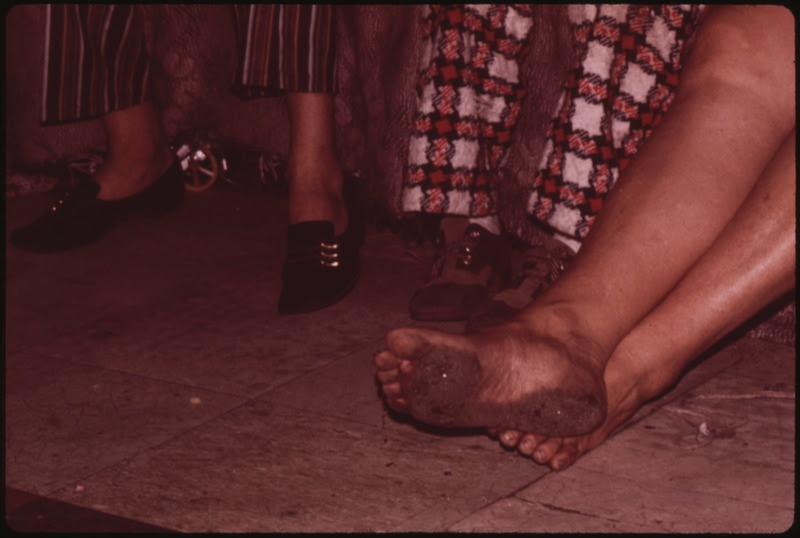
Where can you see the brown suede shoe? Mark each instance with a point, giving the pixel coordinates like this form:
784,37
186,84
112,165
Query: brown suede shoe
466,272
535,268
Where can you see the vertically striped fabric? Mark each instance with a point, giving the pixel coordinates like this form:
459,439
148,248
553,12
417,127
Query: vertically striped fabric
95,61
285,47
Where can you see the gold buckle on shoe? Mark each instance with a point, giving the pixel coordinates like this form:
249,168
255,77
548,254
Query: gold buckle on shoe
329,254
471,239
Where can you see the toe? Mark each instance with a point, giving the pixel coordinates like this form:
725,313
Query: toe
393,396
564,457
405,367
387,376
408,342
386,361
397,404
528,443
546,449
392,390
510,438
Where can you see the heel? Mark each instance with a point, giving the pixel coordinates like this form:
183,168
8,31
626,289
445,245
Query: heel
166,194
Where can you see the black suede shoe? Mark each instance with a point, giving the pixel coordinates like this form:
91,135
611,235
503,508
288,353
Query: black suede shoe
320,268
79,218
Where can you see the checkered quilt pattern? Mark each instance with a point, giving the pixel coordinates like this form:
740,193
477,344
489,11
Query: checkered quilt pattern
628,62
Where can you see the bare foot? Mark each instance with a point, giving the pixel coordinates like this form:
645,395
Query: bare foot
629,385
557,452
511,376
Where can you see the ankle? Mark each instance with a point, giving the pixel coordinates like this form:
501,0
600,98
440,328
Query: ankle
316,192
124,176
315,205
563,322
639,372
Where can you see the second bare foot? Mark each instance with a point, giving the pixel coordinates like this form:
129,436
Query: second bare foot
507,377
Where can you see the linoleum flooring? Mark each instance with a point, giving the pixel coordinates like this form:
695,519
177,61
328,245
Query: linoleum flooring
151,387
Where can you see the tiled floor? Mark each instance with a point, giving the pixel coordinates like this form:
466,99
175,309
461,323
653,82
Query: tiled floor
150,382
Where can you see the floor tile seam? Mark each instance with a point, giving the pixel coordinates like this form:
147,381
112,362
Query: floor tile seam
570,511
266,395
243,398
488,505
464,498
319,369
331,416
47,499
52,494
658,488
63,505
311,412
380,432
42,354
509,496
202,424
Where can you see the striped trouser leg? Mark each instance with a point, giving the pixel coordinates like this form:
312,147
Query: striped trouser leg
95,61
285,48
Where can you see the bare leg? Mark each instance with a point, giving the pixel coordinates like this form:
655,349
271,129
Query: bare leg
690,177
752,263
138,152
737,87
315,176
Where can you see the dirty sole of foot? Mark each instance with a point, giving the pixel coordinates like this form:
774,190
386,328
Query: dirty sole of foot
443,389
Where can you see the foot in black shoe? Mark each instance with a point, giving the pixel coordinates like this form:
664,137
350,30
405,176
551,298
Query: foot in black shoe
320,268
80,218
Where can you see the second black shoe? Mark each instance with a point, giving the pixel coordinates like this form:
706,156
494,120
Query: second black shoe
79,218
320,268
